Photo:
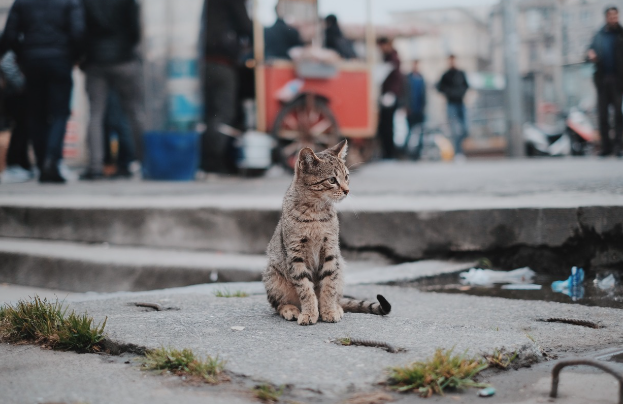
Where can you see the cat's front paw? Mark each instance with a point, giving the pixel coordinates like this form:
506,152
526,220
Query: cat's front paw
333,315
307,318
289,312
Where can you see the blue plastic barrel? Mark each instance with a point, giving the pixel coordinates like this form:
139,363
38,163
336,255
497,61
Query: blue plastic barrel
170,156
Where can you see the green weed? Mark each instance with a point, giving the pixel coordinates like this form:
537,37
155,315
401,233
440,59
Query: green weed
442,371
344,341
500,359
47,323
268,393
184,362
227,293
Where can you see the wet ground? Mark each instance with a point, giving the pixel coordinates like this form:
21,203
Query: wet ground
589,294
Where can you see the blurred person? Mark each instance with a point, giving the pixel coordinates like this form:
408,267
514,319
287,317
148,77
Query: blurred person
113,33
12,84
47,37
391,91
453,85
335,39
280,38
415,106
606,52
226,23
116,123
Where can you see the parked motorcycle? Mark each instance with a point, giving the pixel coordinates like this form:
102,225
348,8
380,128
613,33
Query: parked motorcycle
575,135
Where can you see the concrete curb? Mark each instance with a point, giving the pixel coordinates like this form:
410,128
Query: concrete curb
81,268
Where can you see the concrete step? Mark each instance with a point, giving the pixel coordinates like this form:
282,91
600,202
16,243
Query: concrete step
80,267
406,228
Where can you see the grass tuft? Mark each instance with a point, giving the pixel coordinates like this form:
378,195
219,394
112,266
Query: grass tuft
227,293
443,371
48,323
268,393
500,359
344,341
184,362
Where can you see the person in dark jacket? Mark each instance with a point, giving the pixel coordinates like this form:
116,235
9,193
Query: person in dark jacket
391,92
280,38
47,36
416,106
12,84
226,23
453,85
335,39
113,34
606,52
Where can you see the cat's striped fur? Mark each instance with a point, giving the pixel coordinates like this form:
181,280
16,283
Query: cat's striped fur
304,278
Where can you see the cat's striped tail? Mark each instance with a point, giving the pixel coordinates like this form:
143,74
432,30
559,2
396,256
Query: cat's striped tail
381,308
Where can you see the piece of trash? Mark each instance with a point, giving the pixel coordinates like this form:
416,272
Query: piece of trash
486,392
606,283
519,286
237,328
478,276
572,286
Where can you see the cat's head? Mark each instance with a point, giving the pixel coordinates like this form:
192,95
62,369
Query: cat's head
324,174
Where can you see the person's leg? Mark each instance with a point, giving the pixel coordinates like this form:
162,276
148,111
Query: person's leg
127,83
37,119
58,110
603,102
97,90
386,131
453,125
463,131
220,104
116,122
17,155
617,98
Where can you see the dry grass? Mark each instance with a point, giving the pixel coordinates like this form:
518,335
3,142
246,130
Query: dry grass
377,397
48,324
500,359
227,293
185,363
267,393
444,371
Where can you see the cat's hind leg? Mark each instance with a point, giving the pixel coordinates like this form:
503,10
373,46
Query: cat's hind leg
282,295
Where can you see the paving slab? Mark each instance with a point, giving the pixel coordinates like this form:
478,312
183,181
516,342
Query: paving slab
271,349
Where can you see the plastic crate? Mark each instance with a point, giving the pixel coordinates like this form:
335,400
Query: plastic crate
171,156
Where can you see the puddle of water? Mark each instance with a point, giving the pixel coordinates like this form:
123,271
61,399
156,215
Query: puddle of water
593,296
617,358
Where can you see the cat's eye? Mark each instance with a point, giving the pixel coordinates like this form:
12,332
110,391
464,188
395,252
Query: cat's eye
332,180
346,177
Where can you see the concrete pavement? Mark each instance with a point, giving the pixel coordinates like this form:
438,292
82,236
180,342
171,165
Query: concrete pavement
269,349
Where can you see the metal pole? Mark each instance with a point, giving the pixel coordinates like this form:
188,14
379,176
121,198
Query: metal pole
513,96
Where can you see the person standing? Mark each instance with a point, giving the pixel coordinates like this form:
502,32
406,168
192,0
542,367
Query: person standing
226,23
280,38
113,34
453,85
391,91
416,106
47,36
606,52
12,84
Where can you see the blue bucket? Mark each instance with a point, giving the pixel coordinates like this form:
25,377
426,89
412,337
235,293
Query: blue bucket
170,156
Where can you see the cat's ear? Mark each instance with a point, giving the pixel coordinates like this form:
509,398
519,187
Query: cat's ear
340,150
307,158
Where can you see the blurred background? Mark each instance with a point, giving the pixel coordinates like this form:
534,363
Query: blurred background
551,39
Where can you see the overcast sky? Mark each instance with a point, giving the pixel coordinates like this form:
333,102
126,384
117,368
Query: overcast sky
353,11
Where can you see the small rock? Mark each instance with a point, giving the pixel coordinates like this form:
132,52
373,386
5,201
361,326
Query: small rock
237,328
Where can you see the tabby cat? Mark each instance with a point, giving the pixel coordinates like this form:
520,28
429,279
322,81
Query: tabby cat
304,277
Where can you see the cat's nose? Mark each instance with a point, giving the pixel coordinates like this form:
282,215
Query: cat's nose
346,191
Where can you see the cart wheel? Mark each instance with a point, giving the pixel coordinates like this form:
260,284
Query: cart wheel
304,122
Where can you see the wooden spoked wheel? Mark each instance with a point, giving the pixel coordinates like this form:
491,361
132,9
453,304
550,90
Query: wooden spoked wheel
304,122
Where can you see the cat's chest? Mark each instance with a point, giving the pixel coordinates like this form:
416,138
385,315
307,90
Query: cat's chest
319,239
